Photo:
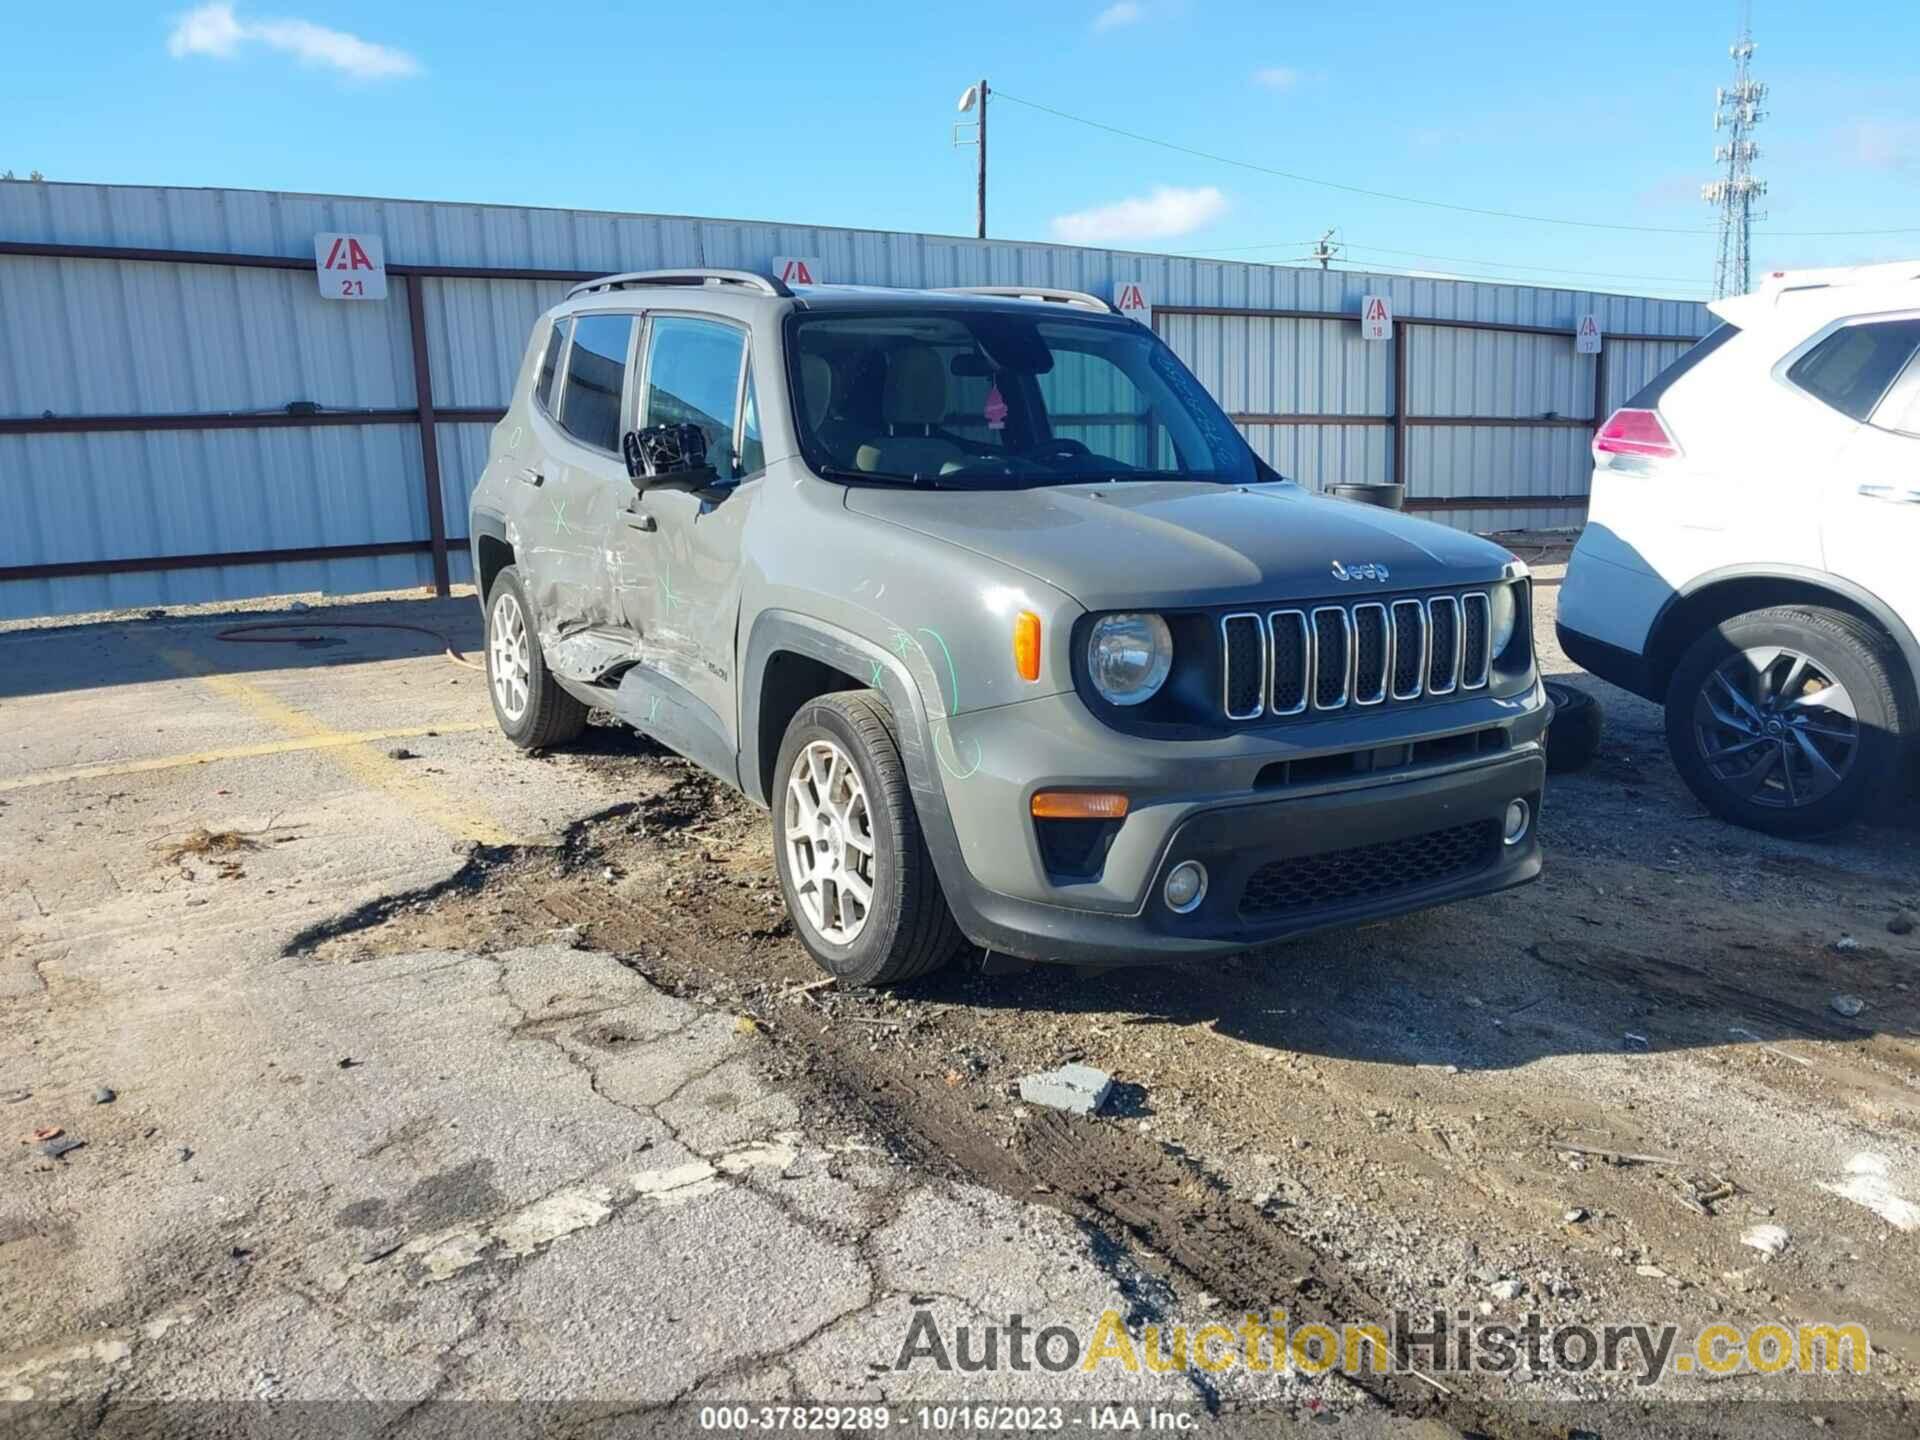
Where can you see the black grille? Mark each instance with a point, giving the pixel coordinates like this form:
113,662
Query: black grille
1369,654
1243,665
1409,629
1473,657
1289,662
1329,659
1314,882
1443,638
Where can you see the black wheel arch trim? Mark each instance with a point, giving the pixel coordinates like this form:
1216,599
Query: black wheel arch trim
777,630
1882,613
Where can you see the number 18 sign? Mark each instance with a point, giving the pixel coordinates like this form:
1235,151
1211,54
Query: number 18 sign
351,267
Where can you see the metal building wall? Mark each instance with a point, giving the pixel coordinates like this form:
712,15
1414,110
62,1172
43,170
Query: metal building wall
150,341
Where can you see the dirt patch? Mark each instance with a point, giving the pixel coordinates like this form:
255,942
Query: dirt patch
1400,1117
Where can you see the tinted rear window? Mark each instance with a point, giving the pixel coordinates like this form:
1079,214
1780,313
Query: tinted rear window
595,377
550,362
1853,367
1648,396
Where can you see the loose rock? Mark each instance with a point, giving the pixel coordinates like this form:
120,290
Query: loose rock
105,1095
1902,923
1768,1239
1077,1089
1507,1289
400,752
1848,1005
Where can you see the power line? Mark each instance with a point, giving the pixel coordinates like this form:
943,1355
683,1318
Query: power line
1412,199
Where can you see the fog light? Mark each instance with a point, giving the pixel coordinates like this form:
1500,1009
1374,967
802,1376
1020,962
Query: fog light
1186,886
1519,817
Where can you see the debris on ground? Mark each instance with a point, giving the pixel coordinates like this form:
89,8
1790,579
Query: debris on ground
1846,943
202,841
1847,1005
746,1025
182,1153
401,752
60,1145
42,1132
1574,1216
1768,1239
1506,1289
105,1095
1077,1089
14,1097
1618,1157
347,1062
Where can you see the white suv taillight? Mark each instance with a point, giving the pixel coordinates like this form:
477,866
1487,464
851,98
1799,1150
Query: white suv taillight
1639,433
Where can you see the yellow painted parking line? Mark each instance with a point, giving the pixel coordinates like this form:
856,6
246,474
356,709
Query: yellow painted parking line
110,768
411,790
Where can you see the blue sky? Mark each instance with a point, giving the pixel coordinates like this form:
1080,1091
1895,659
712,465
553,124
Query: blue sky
840,113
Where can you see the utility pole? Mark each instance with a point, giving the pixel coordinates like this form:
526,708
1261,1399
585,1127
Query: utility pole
1326,248
968,98
1737,110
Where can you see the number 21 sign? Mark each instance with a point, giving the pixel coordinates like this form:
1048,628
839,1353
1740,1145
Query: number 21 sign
351,267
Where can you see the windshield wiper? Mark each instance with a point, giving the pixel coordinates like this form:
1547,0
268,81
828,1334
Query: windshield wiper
874,477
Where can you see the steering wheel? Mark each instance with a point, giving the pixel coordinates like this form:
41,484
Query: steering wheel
1060,446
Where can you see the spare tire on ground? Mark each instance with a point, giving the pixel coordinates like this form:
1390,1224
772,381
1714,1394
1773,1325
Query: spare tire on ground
1573,734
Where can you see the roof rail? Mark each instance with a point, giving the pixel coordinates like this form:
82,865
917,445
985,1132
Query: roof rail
1036,292
764,284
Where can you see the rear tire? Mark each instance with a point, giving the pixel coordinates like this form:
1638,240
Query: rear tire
533,711
847,845
1789,720
1573,734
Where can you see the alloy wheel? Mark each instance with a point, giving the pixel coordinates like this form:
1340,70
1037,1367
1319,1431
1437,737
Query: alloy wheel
1776,728
510,655
828,832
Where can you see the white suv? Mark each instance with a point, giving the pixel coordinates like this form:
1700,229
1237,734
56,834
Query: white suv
1752,554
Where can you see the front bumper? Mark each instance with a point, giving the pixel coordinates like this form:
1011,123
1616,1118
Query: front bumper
1279,868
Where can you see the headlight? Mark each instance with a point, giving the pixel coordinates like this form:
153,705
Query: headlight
1128,657
1505,610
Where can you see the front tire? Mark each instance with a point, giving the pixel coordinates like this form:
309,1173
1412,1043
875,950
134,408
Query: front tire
1788,720
533,711
852,861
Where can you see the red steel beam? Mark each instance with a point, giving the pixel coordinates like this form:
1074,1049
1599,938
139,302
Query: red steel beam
429,436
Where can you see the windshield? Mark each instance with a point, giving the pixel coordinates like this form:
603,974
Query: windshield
988,399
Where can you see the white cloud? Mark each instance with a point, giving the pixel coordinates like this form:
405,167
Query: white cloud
215,30
1276,77
1124,12
1166,212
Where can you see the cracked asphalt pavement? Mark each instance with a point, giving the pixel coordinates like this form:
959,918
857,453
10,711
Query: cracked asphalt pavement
445,1174
442,1072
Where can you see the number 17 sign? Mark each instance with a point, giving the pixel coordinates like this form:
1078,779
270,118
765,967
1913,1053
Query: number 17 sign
351,267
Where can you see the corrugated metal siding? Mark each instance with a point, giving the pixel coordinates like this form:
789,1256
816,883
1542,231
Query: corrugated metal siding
99,337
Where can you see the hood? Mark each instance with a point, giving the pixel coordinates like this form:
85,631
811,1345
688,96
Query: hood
1169,544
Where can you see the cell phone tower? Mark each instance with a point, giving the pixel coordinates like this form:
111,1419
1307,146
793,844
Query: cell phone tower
1736,111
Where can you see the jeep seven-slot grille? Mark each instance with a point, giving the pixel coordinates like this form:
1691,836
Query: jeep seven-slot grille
1371,652
1314,882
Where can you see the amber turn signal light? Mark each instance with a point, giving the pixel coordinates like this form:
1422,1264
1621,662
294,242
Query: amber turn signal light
1026,645
1079,805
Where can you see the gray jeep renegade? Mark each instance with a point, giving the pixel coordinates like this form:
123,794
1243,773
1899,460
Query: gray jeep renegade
984,597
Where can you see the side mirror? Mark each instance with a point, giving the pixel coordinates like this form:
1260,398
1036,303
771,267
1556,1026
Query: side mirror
672,455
